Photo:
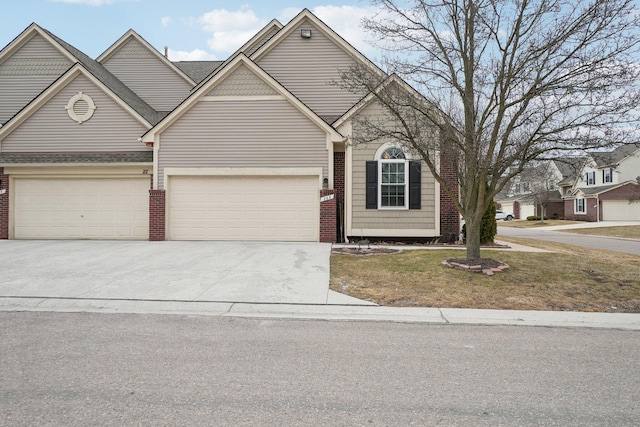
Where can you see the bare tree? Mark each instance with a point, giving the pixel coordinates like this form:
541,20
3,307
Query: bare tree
508,82
543,187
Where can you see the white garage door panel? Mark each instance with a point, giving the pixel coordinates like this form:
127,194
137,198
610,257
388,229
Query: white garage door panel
244,208
620,210
81,208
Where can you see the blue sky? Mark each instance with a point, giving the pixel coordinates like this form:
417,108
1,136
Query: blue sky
192,29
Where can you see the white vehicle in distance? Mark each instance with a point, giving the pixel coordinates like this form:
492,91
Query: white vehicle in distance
500,214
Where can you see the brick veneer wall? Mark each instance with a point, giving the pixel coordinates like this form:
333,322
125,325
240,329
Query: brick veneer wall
591,215
156,215
4,205
516,210
449,216
328,217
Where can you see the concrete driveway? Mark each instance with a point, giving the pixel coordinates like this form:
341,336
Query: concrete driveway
254,272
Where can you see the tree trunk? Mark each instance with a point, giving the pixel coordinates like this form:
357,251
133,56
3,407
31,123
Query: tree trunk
473,238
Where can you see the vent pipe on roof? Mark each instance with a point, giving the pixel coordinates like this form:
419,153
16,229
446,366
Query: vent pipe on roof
166,52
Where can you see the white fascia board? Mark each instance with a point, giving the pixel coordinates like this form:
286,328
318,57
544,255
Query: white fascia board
27,35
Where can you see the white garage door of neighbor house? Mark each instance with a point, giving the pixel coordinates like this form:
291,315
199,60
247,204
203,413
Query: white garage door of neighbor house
278,208
81,208
620,210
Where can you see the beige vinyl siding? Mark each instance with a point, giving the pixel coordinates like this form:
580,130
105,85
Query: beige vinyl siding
237,133
243,82
111,128
308,68
28,72
250,50
148,76
424,218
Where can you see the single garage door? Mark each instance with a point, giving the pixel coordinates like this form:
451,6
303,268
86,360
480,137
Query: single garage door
620,210
81,208
278,208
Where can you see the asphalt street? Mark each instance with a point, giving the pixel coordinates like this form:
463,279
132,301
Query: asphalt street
628,246
127,369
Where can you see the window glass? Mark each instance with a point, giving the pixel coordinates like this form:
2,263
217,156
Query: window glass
393,178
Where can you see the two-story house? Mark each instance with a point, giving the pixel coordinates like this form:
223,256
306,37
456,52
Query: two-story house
605,187
133,146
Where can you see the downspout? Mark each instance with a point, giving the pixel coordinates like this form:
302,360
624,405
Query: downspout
597,208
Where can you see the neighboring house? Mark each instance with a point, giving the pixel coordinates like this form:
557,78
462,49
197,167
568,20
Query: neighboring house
605,187
535,189
134,146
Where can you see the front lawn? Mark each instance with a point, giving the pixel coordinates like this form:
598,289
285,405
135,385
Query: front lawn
573,278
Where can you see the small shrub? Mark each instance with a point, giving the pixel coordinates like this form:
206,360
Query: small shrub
536,218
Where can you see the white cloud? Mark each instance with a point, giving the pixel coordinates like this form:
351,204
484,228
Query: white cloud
194,55
230,29
90,2
346,21
165,21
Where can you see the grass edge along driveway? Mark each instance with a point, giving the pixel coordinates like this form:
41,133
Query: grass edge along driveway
571,278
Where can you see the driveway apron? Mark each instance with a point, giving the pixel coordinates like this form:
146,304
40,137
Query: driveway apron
254,272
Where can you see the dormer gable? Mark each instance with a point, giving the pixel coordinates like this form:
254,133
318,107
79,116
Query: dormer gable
308,58
28,64
147,72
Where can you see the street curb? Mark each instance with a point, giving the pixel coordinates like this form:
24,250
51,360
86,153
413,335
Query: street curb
423,315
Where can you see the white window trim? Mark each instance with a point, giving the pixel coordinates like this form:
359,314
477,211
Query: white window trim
584,206
589,175
608,173
406,184
406,160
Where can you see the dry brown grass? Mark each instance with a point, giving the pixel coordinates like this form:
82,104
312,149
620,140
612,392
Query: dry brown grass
572,278
631,231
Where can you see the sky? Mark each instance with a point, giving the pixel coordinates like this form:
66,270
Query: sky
191,29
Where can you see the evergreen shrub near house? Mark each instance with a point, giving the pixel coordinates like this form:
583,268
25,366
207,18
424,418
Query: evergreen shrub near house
488,227
537,218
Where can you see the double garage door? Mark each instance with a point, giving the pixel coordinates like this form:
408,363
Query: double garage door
620,210
81,208
278,208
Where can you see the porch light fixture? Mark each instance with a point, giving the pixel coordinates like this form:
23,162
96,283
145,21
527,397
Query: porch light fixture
325,183
305,33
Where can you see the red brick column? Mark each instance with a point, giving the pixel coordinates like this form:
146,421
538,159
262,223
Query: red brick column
449,216
156,215
4,205
327,216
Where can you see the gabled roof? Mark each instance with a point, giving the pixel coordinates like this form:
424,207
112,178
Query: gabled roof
51,91
96,69
612,158
129,35
306,14
594,191
218,76
392,79
570,168
26,35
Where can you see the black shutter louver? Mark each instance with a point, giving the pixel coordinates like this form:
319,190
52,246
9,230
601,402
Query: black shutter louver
372,185
415,177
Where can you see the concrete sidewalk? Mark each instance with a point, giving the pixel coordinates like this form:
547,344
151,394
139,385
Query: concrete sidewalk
440,316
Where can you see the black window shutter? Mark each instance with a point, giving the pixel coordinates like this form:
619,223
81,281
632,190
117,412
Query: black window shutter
372,185
415,175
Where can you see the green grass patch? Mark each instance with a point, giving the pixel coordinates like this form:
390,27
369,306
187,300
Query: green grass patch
630,232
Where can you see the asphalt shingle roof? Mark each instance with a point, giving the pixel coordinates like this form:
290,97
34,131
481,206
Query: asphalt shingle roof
198,70
614,157
8,159
109,80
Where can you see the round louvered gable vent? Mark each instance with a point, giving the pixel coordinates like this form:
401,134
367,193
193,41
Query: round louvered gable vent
80,107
